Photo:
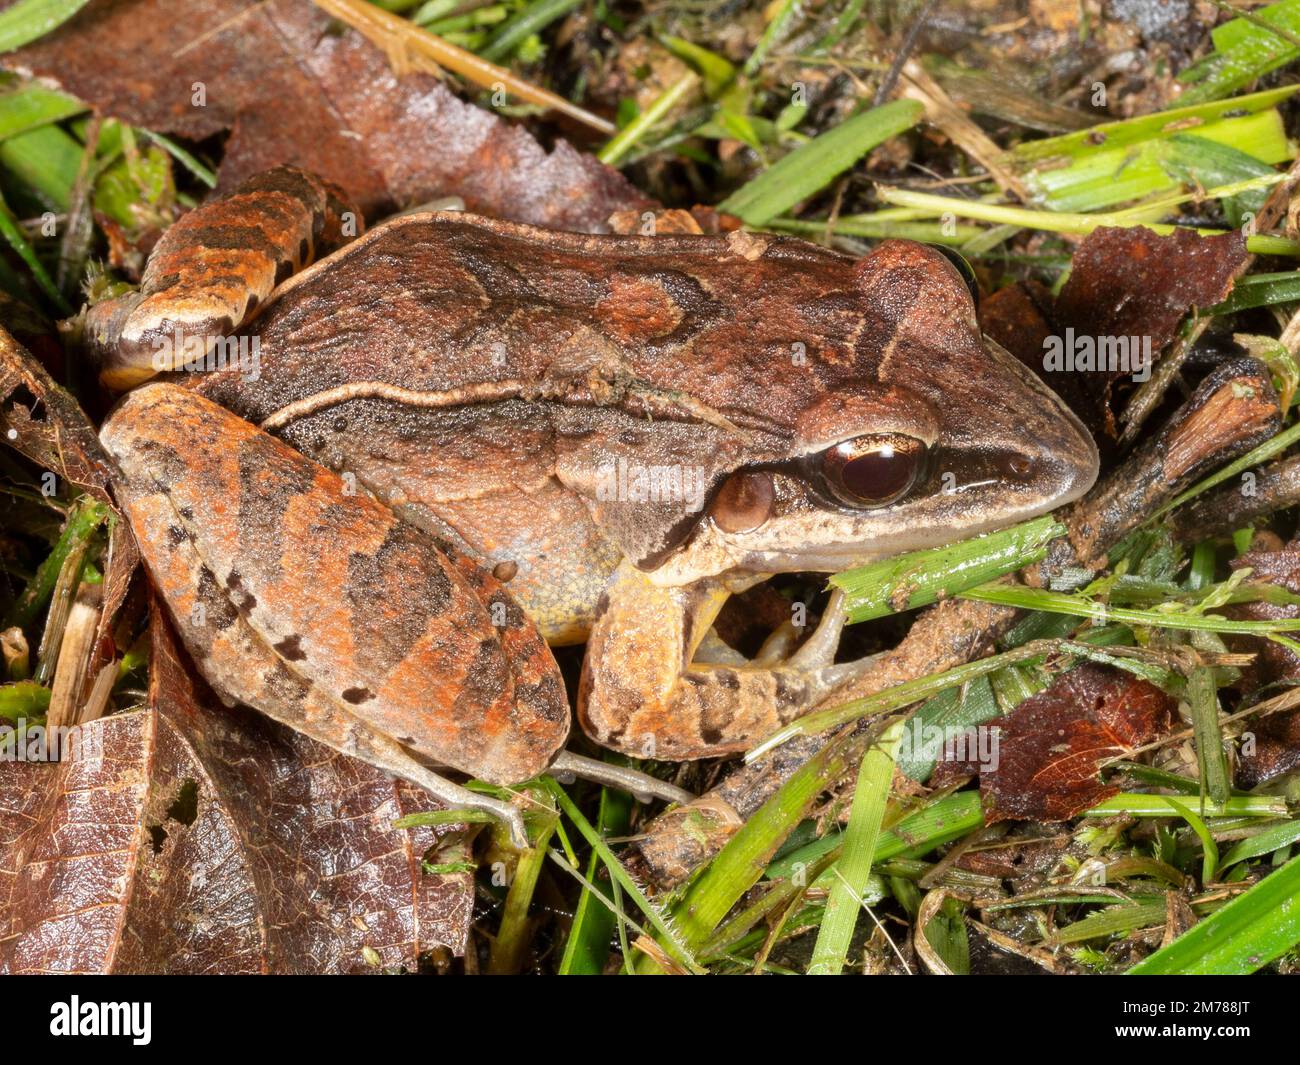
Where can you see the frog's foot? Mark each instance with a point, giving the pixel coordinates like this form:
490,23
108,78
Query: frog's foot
646,692
213,271
456,797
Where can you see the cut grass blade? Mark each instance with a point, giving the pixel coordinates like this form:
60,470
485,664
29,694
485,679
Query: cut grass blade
29,20
1077,224
920,578
814,165
1241,937
1136,805
854,866
1204,702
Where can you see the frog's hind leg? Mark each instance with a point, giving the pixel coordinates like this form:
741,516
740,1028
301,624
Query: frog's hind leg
213,270
645,690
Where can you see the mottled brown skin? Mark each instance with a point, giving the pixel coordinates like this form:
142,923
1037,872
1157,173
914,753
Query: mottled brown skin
320,607
217,266
480,377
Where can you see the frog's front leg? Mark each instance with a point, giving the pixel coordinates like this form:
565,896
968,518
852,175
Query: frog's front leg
214,270
644,693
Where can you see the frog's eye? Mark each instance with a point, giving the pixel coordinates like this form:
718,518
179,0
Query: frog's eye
870,471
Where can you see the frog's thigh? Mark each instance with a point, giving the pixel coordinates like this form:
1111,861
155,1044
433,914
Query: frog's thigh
641,694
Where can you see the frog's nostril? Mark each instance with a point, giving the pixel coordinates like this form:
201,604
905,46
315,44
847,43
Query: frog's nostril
1020,467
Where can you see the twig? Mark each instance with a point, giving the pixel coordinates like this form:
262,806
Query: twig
396,36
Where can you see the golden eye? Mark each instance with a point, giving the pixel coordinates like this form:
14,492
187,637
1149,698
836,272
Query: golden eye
870,471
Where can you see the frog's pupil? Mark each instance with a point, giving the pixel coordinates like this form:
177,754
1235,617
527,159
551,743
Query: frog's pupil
879,474
873,470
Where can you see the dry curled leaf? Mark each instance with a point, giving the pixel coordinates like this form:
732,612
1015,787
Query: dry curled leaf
1129,285
207,840
44,422
293,86
1274,741
1046,761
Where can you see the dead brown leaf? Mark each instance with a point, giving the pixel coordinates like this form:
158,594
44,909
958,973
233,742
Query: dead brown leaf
44,422
1274,741
293,86
207,840
1131,282
1051,746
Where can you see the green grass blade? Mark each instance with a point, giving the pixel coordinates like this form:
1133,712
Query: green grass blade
30,106
814,165
1114,920
920,578
1266,842
854,866
939,822
1204,702
774,33
514,31
669,937
1245,50
1082,607
625,139
743,860
28,20
1139,805
587,947
1243,936
46,160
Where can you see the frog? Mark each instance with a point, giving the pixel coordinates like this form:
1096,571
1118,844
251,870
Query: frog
467,441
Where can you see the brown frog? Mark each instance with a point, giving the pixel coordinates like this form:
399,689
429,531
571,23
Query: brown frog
624,430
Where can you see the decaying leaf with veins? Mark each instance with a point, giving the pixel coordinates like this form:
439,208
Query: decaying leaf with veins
189,838
1046,764
321,609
